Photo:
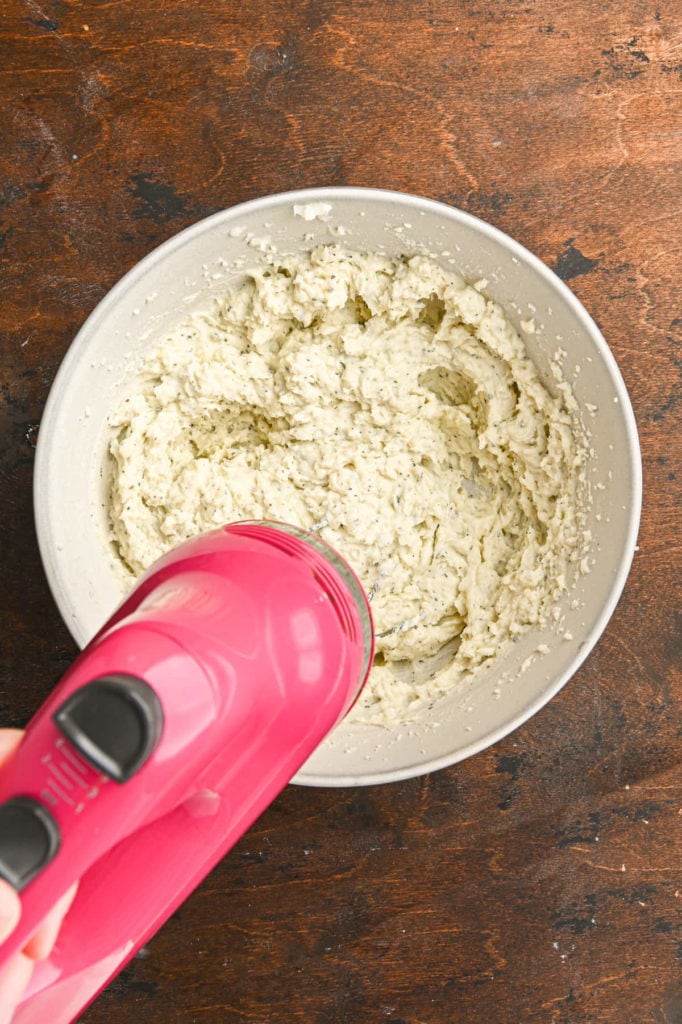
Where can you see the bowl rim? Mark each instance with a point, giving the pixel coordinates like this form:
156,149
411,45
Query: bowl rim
331,194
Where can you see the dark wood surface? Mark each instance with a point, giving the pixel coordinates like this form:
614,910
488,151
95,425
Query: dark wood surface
541,880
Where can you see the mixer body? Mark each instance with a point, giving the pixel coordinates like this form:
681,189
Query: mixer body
185,716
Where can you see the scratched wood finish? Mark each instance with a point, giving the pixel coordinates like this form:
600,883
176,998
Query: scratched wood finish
539,881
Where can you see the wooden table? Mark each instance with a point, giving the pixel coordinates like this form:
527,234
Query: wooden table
541,880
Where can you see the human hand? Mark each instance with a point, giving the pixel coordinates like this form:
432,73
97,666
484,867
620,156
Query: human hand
15,976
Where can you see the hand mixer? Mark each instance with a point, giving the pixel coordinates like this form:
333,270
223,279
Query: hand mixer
227,665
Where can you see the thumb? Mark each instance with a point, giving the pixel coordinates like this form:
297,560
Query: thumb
9,741
10,909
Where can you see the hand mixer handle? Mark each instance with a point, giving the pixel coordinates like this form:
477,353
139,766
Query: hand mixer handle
85,770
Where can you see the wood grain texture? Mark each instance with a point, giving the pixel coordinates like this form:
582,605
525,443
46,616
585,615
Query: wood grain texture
541,880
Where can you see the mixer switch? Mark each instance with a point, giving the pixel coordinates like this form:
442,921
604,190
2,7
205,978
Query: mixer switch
29,839
114,722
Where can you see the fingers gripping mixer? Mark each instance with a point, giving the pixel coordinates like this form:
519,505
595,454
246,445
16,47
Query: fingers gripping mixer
192,708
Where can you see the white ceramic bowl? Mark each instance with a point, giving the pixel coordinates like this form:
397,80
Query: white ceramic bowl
181,276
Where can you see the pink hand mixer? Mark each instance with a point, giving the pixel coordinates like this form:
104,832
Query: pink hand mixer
192,708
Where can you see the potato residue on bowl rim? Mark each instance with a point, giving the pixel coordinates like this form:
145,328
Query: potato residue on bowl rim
392,408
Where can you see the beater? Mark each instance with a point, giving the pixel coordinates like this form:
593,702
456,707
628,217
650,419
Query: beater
197,702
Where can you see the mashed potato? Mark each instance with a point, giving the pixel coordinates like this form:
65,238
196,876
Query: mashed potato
392,408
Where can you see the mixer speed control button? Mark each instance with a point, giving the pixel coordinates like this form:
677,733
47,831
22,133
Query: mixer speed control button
29,839
114,722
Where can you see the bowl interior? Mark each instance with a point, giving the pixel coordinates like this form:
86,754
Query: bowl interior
209,258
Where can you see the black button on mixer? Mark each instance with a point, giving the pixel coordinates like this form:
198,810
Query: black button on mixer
115,722
29,839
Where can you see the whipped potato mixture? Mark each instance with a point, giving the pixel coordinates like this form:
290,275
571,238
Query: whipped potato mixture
392,408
